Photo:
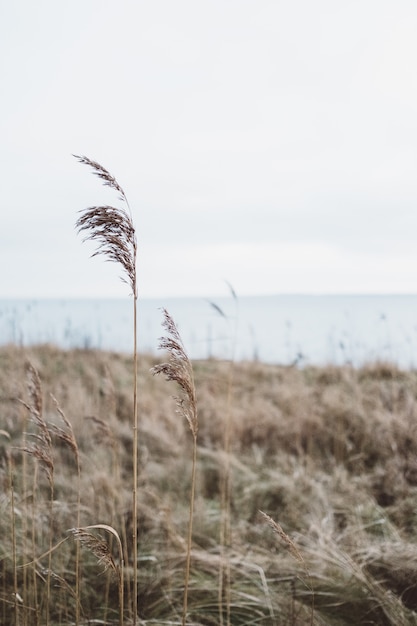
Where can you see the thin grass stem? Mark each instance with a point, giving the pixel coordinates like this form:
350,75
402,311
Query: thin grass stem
113,230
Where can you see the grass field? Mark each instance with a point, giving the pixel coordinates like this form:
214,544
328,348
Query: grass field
330,454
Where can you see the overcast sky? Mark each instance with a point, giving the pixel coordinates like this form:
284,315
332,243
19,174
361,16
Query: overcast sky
268,143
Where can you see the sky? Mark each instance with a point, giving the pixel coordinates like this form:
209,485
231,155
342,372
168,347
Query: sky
267,144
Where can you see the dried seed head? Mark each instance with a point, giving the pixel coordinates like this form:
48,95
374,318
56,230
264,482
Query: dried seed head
278,530
42,452
178,369
65,435
34,388
112,228
42,449
97,546
102,173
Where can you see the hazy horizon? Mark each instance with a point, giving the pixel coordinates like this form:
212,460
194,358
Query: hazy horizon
222,296
337,328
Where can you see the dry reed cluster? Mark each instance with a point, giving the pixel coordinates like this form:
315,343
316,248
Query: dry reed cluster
328,454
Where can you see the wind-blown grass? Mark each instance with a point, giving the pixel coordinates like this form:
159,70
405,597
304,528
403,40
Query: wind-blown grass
343,497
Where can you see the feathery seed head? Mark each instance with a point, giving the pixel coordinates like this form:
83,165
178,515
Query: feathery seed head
97,546
278,530
178,369
111,227
104,174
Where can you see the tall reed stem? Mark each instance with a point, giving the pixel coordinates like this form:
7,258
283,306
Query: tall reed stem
190,532
112,228
13,529
135,462
179,369
224,591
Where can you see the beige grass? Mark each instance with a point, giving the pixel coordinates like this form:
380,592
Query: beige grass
329,453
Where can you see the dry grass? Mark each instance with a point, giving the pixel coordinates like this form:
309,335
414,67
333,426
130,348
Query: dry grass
179,370
328,454
113,230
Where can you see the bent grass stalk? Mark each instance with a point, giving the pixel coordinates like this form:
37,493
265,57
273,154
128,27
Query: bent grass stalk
101,550
112,229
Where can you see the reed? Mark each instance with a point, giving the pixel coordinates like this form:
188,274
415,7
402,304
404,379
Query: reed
113,230
13,537
225,538
179,369
41,452
101,550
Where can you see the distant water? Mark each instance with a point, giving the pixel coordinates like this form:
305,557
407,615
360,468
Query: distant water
277,329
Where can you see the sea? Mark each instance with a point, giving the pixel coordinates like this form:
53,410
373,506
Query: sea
283,329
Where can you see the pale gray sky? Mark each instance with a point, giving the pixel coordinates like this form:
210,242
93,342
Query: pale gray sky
269,143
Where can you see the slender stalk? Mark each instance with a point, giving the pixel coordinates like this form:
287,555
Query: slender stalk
135,463
34,539
77,550
51,530
41,450
224,590
25,586
68,438
190,532
113,230
225,526
179,369
13,528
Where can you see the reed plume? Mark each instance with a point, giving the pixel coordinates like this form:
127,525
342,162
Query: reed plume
111,227
179,369
102,552
113,230
41,451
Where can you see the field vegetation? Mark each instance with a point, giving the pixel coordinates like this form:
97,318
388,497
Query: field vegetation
259,494
328,454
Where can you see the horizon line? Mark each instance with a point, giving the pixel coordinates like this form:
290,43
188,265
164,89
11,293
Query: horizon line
211,296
